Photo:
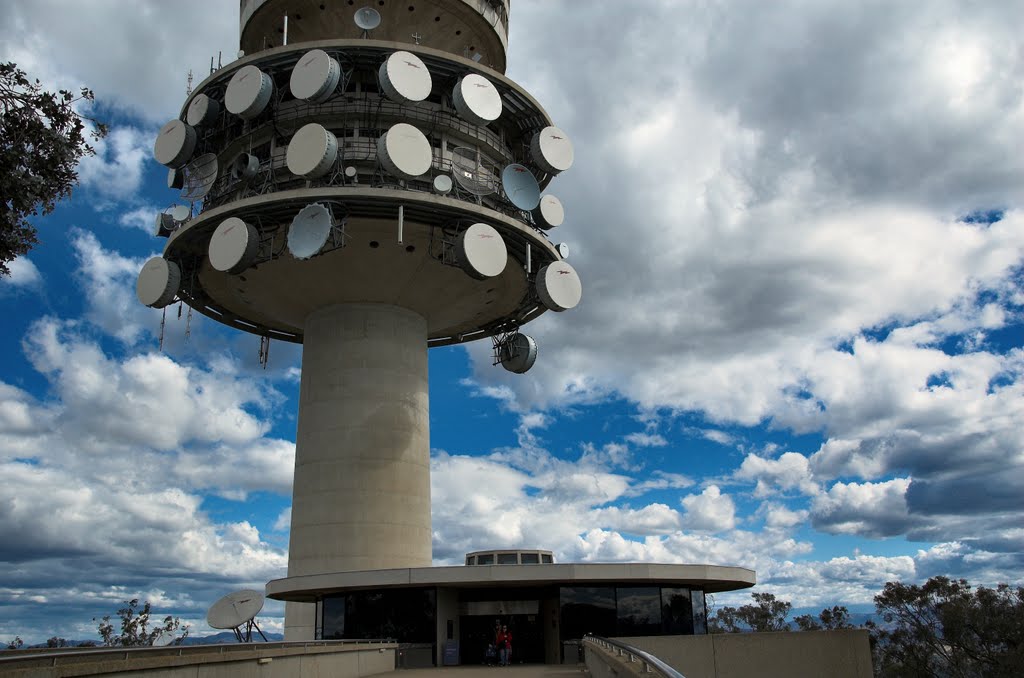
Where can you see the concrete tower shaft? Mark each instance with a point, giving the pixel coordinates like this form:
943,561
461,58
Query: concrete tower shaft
475,29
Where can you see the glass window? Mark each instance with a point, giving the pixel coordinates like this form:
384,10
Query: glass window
639,611
508,559
676,612
333,624
700,613
587,609
529,558
545,557
470,560
486,559
406,615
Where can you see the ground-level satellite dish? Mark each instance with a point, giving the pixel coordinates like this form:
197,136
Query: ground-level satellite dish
518,353
202,111
158,282
315,77
551,149
404,151
312,151
367,18
200,174
164,639
549,212
404,78
236,610
472,174
558,286
480,251
477,100
175,144
248,92
443,184
309,231
520,186
233,246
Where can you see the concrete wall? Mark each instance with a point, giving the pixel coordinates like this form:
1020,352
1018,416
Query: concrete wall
270,660
837,654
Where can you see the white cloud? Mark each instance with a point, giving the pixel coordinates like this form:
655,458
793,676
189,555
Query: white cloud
23,273
709,511
867,509
116,169
789,472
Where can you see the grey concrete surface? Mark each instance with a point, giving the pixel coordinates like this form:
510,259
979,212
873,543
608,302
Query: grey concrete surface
514,671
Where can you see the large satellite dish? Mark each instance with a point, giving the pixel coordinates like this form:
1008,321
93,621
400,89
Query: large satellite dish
558,286
309,231
476,99
312,151
520,186
158,282
315,77
248,92
199,176
233,246
472,174
175,144
551,149
481,252
235,610
367,18
518,353
405,78
404,151
202,111
549,212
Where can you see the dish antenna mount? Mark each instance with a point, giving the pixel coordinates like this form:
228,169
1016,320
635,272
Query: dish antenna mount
367,18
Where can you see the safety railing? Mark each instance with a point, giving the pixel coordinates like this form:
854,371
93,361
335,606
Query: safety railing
627,654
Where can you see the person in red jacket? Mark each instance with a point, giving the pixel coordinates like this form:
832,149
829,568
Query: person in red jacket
505,645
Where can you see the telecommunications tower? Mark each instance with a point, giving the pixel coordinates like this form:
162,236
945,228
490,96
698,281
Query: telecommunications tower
364,180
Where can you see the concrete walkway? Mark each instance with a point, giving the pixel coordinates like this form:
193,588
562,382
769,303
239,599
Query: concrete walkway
514,671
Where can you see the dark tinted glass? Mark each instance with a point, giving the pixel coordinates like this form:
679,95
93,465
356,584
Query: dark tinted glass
529,558
587,609
487,559
545,558
333,623
639,611
676,612
508,559
406,615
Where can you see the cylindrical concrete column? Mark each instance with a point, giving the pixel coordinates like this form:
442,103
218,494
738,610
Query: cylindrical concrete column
361,498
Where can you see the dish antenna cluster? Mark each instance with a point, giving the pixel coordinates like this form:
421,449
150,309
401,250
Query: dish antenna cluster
369,199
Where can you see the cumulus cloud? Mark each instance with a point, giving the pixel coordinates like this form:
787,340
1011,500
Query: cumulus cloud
789,472
23,274
869,509
709,511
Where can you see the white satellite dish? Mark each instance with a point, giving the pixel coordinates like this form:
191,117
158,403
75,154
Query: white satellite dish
235,610
520,186
175,179
472,174
175,144
558,286
405,78
312,151
443,184
202,111
351,172
563,250
180,213
309,231
233,246
315,77
245,166
481,252
367,18
518,353
164,639
404,151
476,99
200,174
248,92
552,150
158,282
549,212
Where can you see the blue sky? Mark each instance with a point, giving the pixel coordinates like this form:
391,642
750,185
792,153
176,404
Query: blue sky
799,230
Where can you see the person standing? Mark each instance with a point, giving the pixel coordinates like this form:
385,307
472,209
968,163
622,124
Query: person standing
505,644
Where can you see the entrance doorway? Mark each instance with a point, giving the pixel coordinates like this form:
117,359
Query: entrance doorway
476,632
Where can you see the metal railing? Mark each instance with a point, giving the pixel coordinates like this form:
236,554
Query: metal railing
627,653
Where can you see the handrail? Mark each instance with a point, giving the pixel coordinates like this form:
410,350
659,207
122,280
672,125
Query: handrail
651,664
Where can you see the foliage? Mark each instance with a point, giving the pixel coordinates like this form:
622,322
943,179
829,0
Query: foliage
15,644
56,642
830,619
137,629
944,628
42,138
765,614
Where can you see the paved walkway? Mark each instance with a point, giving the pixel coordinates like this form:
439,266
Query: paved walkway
514,671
